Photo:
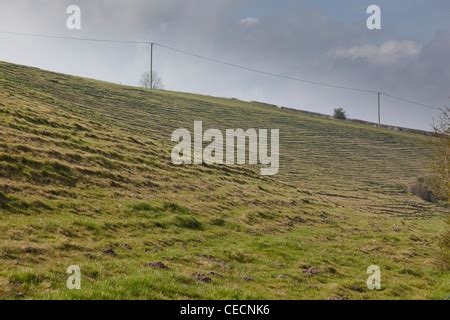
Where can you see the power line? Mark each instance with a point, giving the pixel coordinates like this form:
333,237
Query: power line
191,54
410,101
263,72
72,38
223,63
291,78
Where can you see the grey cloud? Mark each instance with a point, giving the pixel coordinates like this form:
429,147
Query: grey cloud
292,42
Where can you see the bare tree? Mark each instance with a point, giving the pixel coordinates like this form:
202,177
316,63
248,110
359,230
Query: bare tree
440,162
439,169
435,185
146,81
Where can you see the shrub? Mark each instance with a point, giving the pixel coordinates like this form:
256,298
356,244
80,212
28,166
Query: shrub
339,113
421,188
436,185
439,183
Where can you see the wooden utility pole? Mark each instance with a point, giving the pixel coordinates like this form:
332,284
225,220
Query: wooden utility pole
151,65
379,107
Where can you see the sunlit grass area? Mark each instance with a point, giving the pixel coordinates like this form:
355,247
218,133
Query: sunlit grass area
86,179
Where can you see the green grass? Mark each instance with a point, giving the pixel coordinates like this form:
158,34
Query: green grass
86,179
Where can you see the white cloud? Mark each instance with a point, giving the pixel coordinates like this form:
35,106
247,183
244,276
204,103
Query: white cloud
249,21
387,53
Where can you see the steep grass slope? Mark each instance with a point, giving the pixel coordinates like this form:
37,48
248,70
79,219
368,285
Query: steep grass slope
86,179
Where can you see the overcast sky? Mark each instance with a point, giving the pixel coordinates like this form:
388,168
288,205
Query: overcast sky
318,40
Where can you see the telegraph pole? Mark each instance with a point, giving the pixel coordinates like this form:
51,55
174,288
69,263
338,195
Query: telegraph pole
379,111
151,65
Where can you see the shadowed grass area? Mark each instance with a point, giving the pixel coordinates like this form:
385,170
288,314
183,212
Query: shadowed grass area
86,179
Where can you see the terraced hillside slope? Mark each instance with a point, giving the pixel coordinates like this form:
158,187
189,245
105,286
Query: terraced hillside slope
86,179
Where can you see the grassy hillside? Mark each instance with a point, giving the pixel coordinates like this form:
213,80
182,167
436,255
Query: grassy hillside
86,179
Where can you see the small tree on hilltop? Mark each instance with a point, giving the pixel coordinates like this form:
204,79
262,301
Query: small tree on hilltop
146,81
339,113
